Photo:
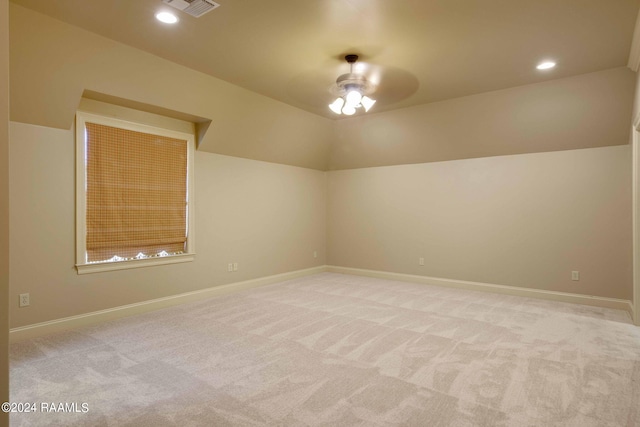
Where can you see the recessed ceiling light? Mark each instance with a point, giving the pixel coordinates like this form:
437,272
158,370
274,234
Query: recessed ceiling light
546,65
166,17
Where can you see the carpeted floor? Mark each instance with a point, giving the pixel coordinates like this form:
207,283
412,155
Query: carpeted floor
339,350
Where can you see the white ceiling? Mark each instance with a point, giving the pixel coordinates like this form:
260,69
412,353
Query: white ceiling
420,51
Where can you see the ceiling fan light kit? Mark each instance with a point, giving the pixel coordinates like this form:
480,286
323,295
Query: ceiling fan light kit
353,90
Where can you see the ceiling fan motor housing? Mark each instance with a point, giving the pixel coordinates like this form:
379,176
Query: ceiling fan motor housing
352,81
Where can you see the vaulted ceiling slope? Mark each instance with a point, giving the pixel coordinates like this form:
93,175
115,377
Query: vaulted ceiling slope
420,51
254,79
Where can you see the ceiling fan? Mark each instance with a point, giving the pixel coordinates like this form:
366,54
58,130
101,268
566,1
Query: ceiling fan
352,90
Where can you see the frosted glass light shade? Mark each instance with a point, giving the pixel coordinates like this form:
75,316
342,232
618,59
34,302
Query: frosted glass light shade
348,110
345,104
353,98
336,106
367,102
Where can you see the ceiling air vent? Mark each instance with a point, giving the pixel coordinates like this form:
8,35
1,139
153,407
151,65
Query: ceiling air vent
195,8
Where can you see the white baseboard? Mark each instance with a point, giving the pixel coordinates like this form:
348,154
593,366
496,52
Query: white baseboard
72,322
618,304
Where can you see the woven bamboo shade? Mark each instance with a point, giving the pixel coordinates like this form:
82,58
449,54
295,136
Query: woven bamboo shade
136,193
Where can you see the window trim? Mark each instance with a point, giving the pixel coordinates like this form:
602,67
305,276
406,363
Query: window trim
81,226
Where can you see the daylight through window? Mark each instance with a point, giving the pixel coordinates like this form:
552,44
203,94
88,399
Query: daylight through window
136,192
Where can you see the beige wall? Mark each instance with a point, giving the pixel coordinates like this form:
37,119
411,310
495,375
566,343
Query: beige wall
4,207
268,218
590,110
52,63
521,220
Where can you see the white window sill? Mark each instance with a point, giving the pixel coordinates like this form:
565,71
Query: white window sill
136,263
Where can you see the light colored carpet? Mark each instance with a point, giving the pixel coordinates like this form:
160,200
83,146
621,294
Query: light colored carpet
339,350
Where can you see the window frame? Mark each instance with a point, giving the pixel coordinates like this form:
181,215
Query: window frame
81,207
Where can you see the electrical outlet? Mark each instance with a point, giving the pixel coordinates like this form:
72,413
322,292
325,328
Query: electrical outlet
575,275
421,261
235,266
24,300
230,267
315,254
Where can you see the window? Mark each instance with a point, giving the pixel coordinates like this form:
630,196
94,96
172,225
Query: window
134,187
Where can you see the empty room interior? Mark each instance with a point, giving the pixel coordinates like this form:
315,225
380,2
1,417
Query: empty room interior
323,213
